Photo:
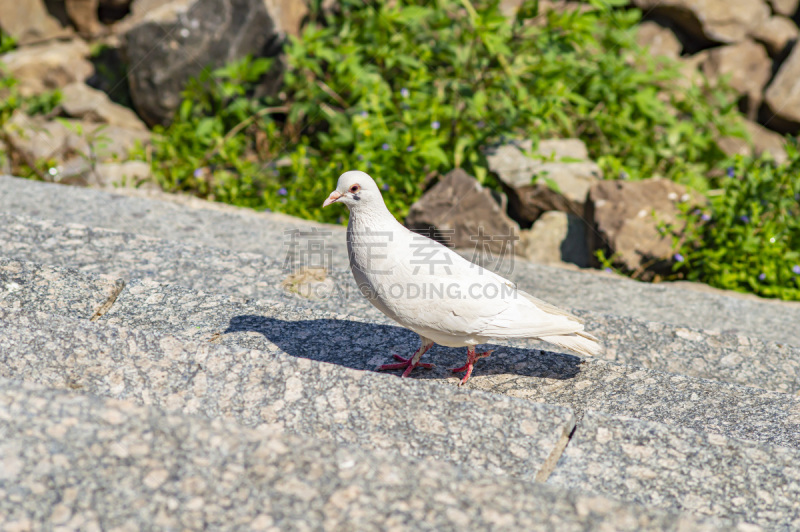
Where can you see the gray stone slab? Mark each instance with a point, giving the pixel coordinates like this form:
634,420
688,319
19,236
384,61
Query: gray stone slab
517,369
723,356
83,462
708,354
323,401
56,290
265,234
671,467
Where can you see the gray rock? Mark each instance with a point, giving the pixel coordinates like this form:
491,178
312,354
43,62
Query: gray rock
708,354
29,22
48,66
626,216
25,285
515,368
721,21
671,467
557,179
84,462
554,238
460,213
498,434
175,41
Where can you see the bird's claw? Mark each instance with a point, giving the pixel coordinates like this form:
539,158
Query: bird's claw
471,359
406,364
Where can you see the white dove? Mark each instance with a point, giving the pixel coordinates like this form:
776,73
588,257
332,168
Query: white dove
444,298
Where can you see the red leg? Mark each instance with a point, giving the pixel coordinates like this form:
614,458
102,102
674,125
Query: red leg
408,364
472,357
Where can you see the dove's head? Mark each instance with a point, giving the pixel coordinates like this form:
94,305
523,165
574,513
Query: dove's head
357,191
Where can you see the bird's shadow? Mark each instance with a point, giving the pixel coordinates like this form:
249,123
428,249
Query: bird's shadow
364,346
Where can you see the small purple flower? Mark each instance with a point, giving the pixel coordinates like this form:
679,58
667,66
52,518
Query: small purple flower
608,270
385,188
678,257
360,157
796,269
435,124
364,114
282,191
762,276
410,148
705,217
404,92
744,218
481,124
731,172
385,147
198,173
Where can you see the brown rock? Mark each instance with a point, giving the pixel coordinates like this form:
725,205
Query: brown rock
33,138
723,21
556,237
83,14
461,213
48,66
527,180
81,101
776,33
658,39
783,95
787,8
747,68
29,22
626,215
288,15
762,141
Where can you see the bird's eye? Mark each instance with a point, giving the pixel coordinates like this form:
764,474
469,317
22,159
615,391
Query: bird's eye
354,189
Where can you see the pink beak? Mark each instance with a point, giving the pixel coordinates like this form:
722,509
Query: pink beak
332,198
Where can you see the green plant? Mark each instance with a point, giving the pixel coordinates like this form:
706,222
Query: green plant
7,43
215,144
748,238
406,90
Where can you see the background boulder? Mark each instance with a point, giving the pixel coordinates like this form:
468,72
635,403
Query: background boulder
554,177
176,40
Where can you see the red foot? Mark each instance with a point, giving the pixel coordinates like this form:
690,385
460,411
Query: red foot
408,363
472,357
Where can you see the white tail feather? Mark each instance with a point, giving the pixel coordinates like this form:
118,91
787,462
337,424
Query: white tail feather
580,342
